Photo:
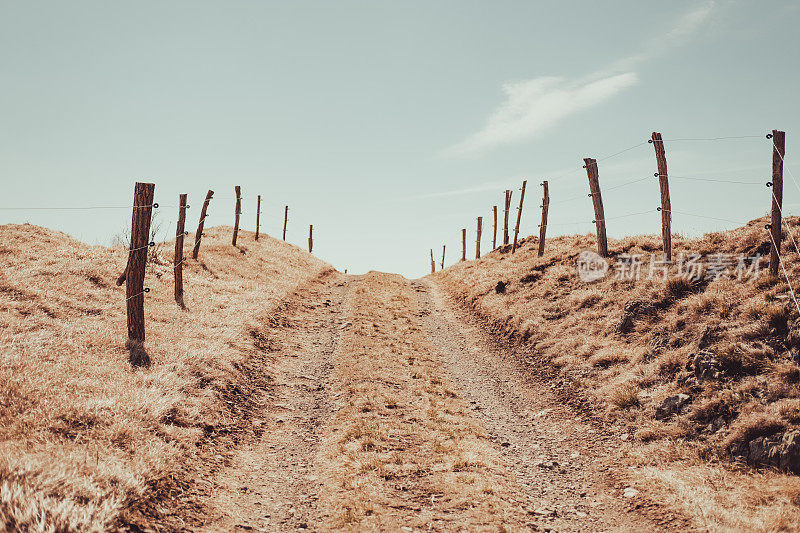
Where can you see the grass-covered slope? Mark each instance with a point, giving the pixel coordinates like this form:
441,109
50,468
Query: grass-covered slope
87,442
694,373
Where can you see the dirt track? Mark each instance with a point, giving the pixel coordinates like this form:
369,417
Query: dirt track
392,410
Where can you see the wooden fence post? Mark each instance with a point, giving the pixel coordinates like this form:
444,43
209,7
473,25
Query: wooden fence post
505,217
543,225
203,214
494,231
258,215
478,239
238,212
666,204
778,153
597,201
443,248
137,259
285,220
310,238
433,263
519,216
464,244
178,259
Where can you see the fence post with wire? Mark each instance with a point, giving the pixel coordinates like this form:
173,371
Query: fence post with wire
310,238
519,215
666,204
137,259
285,221
505,217
463,244
494,228
478,238
238,190
778,153
258,215
597,201
178,259
433,263
543,225
203,214
444,246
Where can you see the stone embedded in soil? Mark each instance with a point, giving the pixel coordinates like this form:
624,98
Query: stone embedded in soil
672,405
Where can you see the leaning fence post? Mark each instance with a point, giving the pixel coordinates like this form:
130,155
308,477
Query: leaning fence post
464,244
433,263
285,220
597,201
543,225
258,215
494,226
666,204
778,153
178,259
443,248
310,238
137,259
519,216
238,212
478,238
505,217
203,214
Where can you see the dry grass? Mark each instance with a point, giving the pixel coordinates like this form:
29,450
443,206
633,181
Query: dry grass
402,448
573,327
86,441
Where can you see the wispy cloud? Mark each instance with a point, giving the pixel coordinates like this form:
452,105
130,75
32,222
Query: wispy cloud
535,105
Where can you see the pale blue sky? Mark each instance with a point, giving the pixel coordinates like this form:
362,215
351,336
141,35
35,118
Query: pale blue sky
391,125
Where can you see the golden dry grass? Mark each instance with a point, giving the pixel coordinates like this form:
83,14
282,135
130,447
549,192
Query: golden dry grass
571,325
86,441
403,449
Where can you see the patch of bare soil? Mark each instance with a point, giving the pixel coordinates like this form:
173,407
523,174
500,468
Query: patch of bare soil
271,483
567,465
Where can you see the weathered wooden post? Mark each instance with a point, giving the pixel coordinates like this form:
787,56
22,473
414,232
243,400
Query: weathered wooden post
494,226
285,220
464,244
666,205
178,259
443,248
137,259
505,217
203,214
597,201
238,212
519,216
310,238
433,263
778,153
258,215
543,225
478,239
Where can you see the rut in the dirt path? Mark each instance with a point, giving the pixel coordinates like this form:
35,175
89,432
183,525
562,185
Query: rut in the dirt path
559,459
271,484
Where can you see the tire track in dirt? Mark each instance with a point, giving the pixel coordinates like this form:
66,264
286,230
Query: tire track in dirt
271,484
558,458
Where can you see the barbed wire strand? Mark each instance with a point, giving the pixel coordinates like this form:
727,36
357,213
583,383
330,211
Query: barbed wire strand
785,273
716,180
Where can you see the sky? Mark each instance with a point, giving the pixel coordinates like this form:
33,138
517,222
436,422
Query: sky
390,126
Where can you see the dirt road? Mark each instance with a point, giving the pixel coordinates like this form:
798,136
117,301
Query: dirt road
392,411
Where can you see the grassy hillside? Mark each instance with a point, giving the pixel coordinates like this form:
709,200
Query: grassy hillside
88,442
695,374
